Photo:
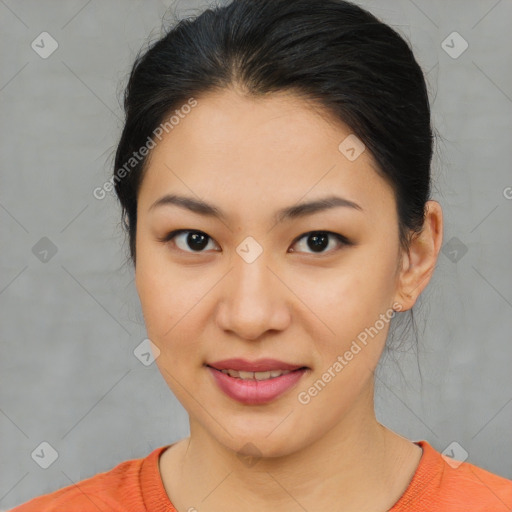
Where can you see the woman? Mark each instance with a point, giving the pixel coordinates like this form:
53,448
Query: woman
274,176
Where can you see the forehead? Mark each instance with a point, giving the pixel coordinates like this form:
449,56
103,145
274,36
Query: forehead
274,150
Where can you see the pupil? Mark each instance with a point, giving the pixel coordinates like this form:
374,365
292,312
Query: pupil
320,241
197,238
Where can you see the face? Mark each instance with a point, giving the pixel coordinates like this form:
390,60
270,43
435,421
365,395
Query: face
304,288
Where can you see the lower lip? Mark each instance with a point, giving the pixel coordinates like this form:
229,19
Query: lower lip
254,392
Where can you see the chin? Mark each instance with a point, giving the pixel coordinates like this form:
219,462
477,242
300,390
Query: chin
257,444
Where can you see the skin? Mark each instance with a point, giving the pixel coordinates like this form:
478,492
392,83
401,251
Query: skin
251,157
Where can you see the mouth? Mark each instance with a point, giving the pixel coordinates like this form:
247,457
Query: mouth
256,387
259,375
259,369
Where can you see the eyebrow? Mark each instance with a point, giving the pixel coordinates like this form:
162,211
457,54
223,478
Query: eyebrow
291,212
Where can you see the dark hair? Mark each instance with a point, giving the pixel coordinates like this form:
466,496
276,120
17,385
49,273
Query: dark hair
331,52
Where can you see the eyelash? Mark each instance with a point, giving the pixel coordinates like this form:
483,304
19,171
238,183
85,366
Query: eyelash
340,238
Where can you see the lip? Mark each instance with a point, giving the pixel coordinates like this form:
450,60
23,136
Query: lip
255,392
259,365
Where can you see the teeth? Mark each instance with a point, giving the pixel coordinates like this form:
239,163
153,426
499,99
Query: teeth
255,375
261,375
247,375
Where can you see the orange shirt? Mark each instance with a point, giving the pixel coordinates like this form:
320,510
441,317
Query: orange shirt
136,486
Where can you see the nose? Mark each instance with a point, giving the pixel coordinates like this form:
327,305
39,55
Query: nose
253,300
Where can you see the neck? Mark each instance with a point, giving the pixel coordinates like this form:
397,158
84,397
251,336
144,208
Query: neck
358,465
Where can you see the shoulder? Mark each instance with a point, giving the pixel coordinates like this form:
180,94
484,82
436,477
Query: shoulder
472,485
82,496
114,490
444,484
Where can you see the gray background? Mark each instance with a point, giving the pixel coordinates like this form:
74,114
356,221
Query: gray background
69,325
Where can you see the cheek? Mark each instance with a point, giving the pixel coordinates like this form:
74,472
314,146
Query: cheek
159,288
349,295
171,299
346,303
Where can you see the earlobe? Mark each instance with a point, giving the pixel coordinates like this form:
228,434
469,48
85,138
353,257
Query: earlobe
418,264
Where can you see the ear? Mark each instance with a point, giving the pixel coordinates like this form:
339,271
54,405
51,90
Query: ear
418,263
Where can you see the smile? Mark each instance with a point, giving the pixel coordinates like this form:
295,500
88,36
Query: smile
256,388
255,375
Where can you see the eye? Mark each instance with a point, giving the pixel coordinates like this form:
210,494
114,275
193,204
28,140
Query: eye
183,238
186,239
317,241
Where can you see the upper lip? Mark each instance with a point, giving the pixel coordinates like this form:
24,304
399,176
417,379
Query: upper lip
259,365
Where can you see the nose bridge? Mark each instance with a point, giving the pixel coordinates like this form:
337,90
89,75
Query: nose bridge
251,303
251,261
251,275
251,284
